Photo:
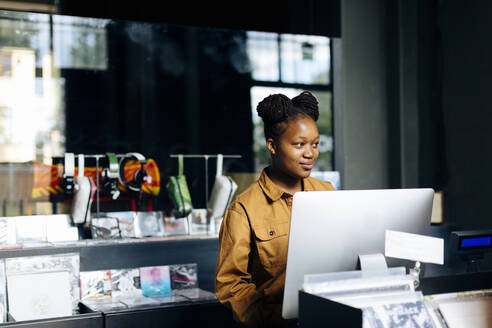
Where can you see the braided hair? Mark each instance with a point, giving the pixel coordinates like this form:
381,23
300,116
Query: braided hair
276,110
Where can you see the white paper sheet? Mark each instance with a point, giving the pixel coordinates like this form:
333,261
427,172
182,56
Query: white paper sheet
414,247
39,295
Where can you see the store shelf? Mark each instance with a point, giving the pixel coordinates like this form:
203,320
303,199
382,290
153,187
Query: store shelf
88,320
134,253
198,314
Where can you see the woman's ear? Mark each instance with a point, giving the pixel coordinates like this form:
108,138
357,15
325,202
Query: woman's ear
271,146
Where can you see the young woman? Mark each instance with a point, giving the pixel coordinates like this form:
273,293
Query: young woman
253,238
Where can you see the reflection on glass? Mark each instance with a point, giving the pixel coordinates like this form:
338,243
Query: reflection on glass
263,54
80,42
305,59
116,84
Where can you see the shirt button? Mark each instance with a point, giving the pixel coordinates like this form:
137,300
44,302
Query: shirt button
272,232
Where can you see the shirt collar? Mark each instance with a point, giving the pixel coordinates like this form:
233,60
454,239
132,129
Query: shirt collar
272,190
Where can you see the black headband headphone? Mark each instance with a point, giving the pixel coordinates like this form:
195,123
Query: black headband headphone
111,176
140,175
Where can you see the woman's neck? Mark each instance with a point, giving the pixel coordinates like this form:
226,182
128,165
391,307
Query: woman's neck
285,182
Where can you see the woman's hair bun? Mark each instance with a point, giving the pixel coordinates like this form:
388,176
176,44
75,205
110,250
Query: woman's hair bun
308,103
274,108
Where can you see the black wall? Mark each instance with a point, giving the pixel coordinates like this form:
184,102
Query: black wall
312,17
467,102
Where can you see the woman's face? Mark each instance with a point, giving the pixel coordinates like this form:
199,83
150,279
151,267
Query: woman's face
296,150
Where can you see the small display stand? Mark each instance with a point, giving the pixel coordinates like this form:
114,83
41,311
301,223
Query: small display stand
440,302
368,297
196,311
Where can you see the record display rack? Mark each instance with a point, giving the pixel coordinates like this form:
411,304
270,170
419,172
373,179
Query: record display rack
87,320
204,314
117,254
316,311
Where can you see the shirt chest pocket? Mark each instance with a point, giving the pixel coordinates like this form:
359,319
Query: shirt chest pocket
271,240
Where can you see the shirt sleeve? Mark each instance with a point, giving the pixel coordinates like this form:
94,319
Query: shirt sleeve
233,285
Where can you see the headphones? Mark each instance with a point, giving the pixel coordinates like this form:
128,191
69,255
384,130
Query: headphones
67,182
111,175
140,175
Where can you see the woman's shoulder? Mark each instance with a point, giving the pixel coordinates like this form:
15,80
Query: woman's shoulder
249,195
246,201
317,184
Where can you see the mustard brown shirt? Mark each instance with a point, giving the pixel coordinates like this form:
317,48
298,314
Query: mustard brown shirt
253,237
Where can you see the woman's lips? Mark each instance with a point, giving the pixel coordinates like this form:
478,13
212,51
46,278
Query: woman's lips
307,166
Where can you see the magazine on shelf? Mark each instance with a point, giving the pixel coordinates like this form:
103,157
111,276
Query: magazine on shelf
95,284
155,280
126,283
69,262
184,276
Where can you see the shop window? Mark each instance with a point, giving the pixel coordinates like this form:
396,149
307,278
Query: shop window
290,64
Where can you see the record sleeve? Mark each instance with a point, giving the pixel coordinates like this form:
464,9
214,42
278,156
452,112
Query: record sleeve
175,226
149,224
105,228
69,262
39,295
59,228
30,229
412,314
126,221
155,280
198,222
95,284
126,283
184,276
